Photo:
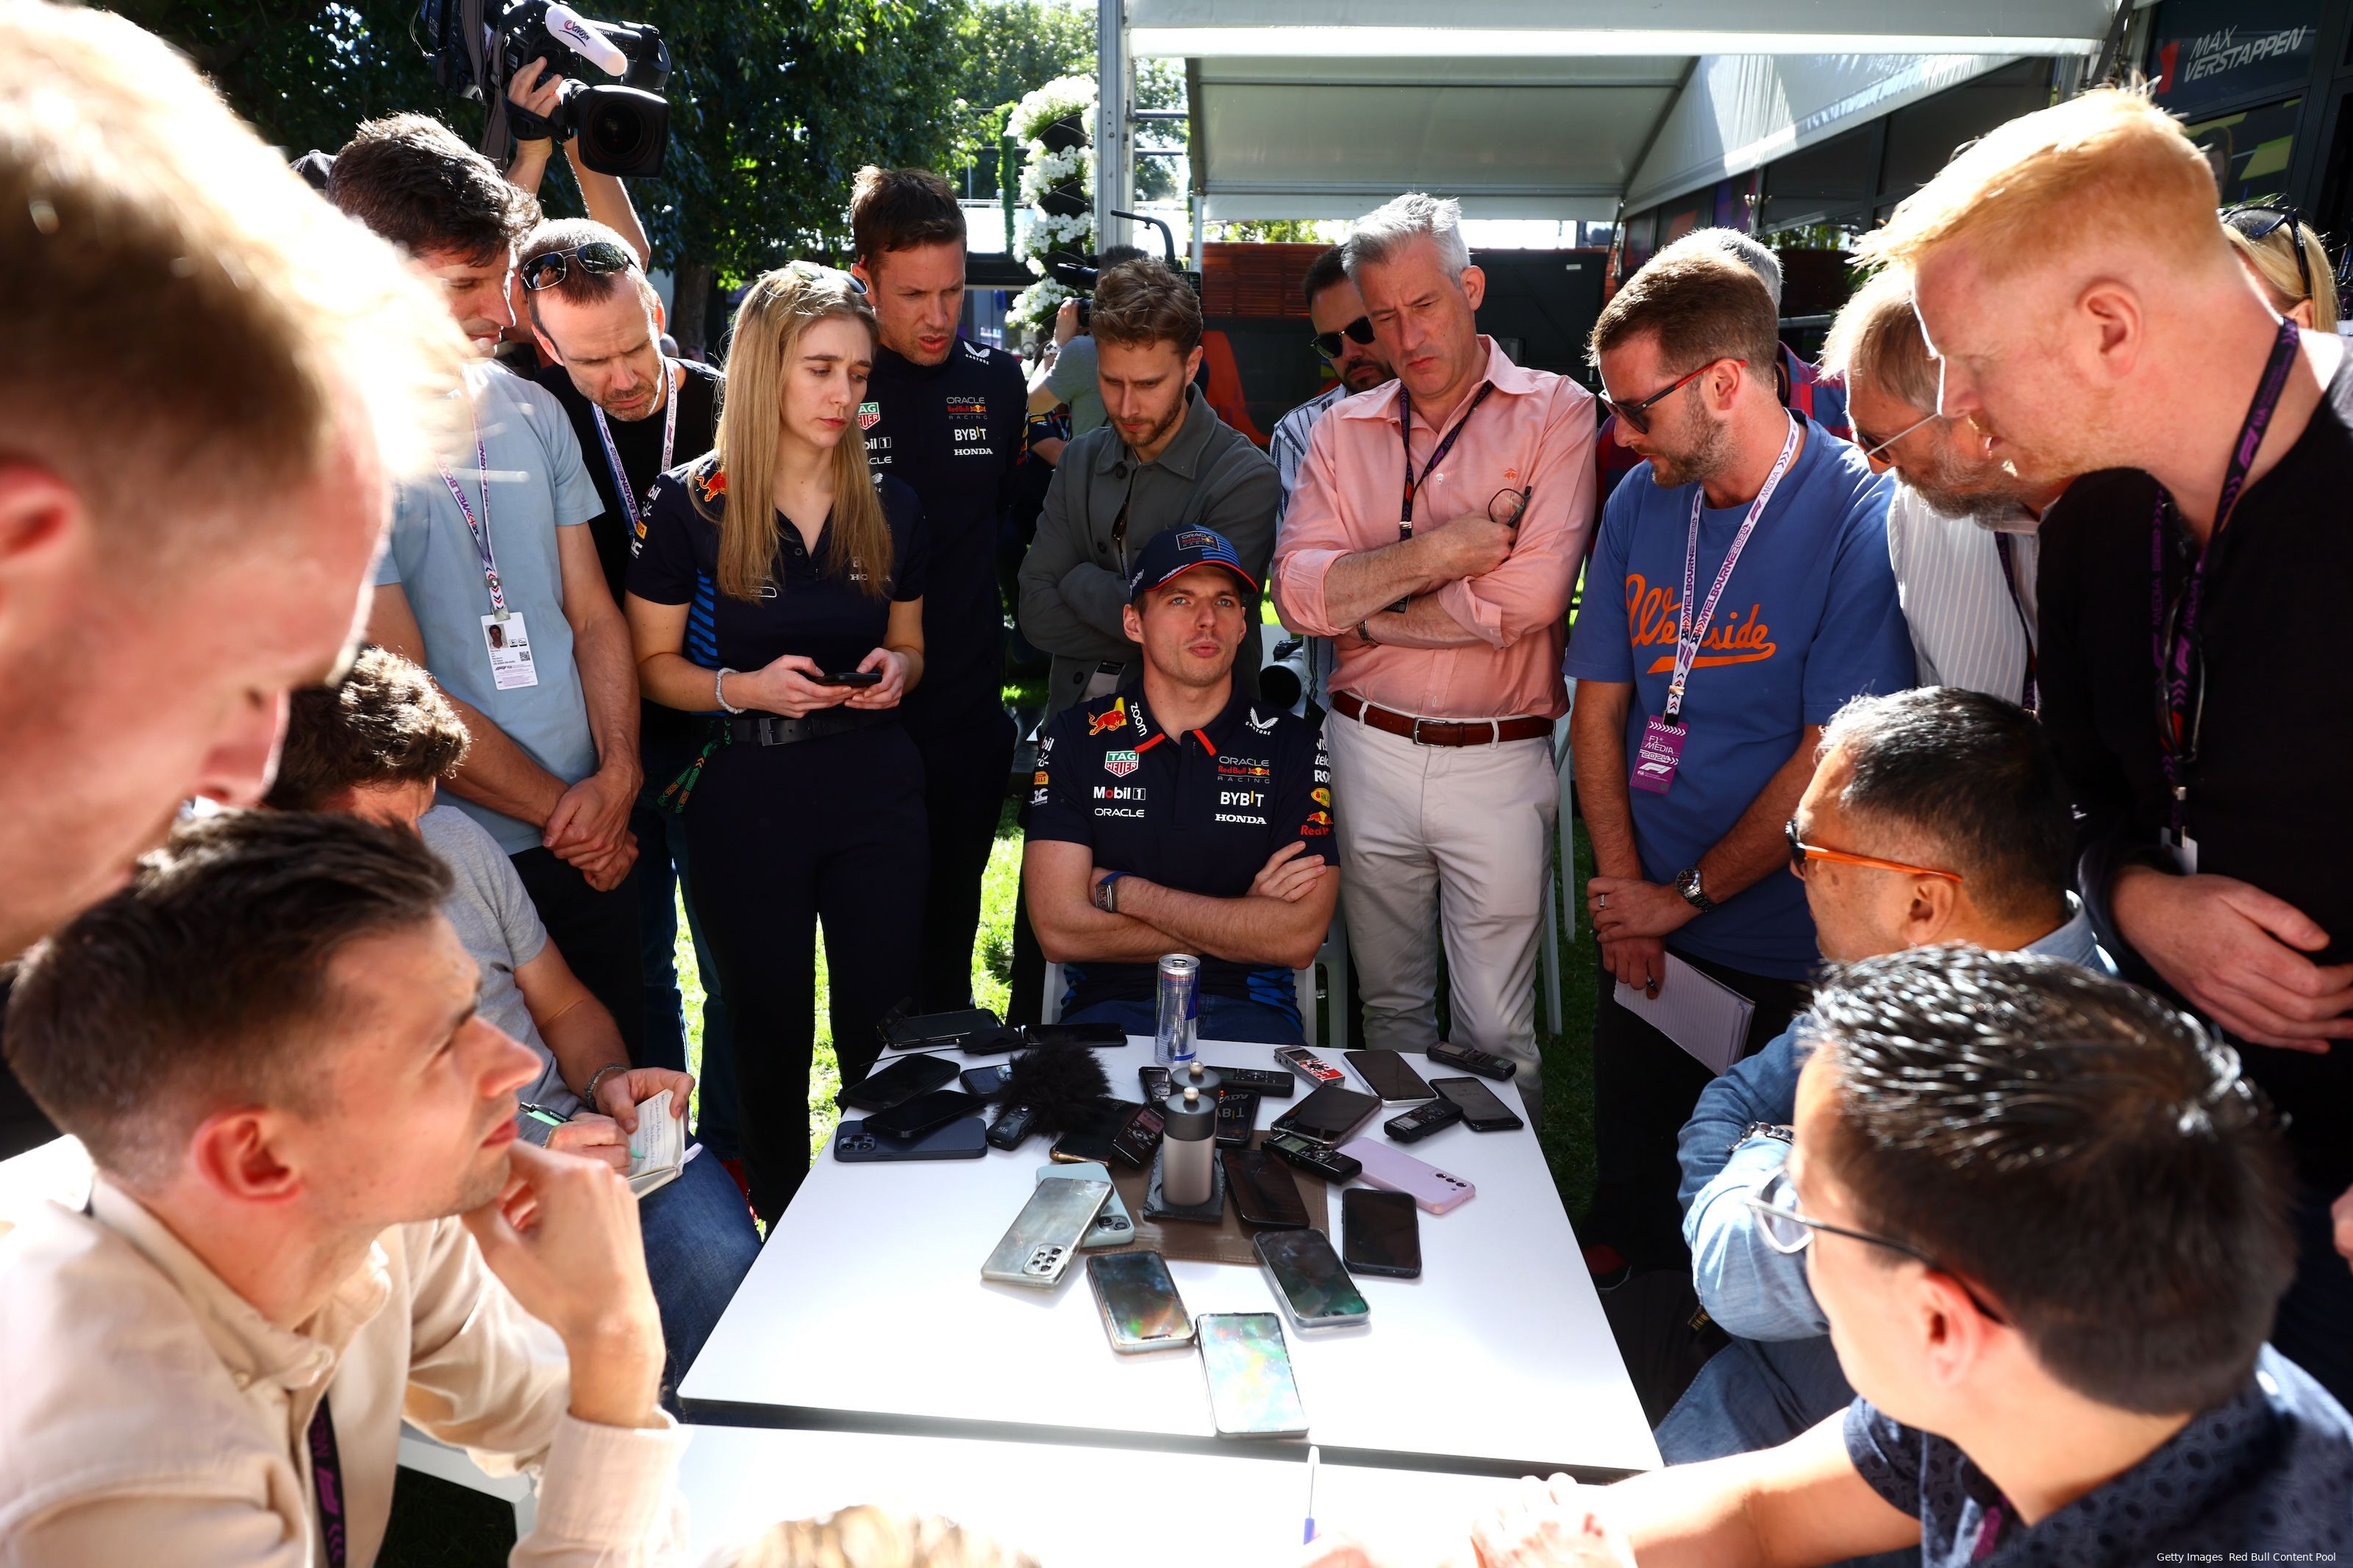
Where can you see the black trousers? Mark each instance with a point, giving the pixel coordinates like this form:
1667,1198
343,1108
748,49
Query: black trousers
1644,1085
783,839
596,934
965,757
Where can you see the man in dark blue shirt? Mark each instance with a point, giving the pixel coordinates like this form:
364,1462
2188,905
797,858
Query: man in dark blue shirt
1179,817
2046,1217
946,415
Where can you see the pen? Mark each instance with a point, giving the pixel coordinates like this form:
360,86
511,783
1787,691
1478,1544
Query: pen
542,1115
1314,1456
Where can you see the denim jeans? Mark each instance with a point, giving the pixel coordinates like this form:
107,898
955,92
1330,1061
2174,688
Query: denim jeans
661,863
1221,1018
700,1243
1754,1394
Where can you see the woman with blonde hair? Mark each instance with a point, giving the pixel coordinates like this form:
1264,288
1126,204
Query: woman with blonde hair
2288,261
776,586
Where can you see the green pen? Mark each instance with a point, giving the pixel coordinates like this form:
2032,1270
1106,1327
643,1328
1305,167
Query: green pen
542,1115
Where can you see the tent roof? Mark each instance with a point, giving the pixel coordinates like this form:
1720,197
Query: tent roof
1544,109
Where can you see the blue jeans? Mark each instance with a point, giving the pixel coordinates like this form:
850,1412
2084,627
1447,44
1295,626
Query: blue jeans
700,1243
661,863
1222,1018
1754,1394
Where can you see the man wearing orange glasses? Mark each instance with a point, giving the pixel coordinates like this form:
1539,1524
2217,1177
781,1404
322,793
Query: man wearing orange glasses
1938,815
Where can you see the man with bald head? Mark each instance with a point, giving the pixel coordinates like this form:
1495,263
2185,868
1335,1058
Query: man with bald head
2091,318
1960,526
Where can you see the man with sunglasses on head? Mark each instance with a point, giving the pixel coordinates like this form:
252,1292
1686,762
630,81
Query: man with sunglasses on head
498,542
1961,529
1937,815
1434,536
1345,338
2093,320
2043,1212
1738,596
635,413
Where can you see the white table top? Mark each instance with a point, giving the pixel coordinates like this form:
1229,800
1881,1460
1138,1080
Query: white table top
1065,1505
865,1311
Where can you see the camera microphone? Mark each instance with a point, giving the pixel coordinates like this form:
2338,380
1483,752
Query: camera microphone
577,31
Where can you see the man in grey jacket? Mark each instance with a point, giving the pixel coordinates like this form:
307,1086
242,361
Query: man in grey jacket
1163,461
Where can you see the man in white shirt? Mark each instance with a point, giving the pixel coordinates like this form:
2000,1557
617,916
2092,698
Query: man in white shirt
1961,527
311,1219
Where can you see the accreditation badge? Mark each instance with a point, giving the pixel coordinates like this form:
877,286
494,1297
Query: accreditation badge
510,649
1655,761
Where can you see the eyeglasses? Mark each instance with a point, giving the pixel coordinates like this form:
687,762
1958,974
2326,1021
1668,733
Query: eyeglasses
1787,1230
599,257
1800,852
1870,454
2260,222
1633,412
1359,331
849,281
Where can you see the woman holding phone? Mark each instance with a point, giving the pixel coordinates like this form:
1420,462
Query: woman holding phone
776,586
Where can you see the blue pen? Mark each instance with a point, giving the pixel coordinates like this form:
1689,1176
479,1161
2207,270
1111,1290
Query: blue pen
1314,1456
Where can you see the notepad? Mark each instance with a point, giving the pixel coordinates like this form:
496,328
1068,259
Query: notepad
1700,1013
658,1151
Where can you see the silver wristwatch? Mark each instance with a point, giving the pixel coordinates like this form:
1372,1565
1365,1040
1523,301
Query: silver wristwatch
1687,884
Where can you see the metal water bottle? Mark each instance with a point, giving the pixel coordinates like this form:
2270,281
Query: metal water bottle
1180,1009
1190,1144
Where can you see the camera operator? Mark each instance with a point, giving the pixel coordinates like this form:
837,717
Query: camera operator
489,579
636,414
532,93
1066,375
1166,460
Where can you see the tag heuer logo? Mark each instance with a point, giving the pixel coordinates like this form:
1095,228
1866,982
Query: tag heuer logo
870,415
1118,764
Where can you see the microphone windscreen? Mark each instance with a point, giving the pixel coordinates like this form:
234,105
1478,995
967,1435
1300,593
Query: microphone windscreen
1063,1083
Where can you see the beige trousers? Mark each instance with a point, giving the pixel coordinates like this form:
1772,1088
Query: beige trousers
1444,839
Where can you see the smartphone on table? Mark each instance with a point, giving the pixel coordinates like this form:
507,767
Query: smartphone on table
1252,1393
1045,1235
1310,1281
1265,1192
1386,1074
1137,1298
1380,1233
1482,1109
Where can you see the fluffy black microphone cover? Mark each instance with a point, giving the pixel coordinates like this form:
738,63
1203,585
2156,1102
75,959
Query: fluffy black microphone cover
1063,1083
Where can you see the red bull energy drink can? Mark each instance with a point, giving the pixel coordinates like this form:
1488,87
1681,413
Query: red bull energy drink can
1180,1009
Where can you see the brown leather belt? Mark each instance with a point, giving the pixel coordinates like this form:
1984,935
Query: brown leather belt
1439,732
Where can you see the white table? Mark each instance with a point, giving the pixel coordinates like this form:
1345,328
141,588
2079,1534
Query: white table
1071,1506
866,1312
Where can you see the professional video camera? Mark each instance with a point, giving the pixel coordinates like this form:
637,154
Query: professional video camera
623,129
1077,273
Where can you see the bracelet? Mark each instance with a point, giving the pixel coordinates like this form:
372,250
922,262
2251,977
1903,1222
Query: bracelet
718,688
589,1094
1105,899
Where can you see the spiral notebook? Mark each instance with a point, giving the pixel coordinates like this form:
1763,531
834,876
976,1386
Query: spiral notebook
1700,1013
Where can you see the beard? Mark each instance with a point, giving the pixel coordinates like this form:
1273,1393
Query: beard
1363,376
1707,447
1986,497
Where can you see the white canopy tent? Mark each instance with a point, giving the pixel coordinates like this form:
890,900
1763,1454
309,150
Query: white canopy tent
1546,108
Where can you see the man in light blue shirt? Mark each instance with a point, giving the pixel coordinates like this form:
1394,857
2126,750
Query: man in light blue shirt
1935,816
491,579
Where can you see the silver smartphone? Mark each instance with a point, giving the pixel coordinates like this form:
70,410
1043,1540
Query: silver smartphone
1113,1226
1046,1234
1137,1296
1251,1391
1313,1285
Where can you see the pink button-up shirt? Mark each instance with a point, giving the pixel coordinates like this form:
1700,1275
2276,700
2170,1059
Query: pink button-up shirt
1535,429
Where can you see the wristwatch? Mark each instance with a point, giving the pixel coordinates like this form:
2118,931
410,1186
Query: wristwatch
1772,1130
1106,898
1687,884
1365,631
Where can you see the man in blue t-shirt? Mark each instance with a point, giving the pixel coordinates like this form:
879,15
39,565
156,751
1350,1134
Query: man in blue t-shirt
491,579
1696,724
2046,1218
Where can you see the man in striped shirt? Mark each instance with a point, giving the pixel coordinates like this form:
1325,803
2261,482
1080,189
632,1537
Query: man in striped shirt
1344,337
1961,530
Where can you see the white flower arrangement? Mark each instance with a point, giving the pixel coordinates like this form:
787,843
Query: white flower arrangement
1037,232
1065,95
1044,170
1033,308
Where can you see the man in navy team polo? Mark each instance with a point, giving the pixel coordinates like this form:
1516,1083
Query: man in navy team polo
1179,817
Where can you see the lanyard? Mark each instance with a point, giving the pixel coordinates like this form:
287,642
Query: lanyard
1690,633
613,454
2175,649
327,1483
480,527
2001,548
1404,429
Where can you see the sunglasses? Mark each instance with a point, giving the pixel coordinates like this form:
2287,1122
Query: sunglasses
1359,331
2261,222
1787,1229
1636,415
1800,852
849,281
597,257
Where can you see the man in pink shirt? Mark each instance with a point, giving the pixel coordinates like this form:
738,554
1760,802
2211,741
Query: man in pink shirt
1439,553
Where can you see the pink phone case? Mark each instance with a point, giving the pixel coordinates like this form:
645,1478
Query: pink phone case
1432,1190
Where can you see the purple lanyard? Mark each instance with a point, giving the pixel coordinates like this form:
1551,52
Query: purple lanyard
2001,548
1405,428
629,503
327,1481
1690,633
2174,651
480,527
